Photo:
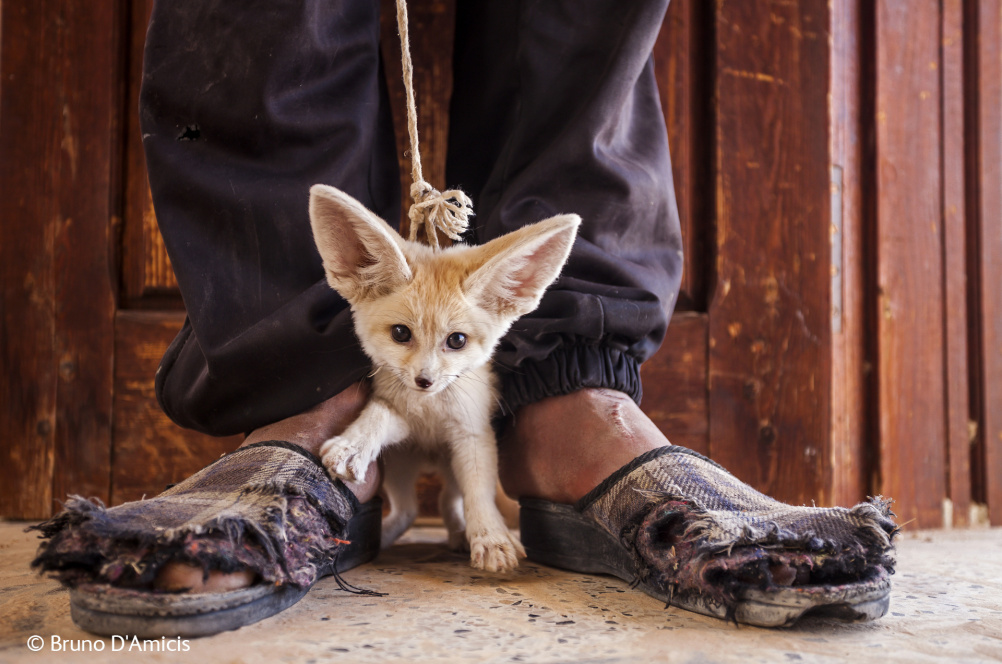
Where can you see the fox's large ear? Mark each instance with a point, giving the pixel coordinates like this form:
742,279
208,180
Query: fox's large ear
361,253
519,266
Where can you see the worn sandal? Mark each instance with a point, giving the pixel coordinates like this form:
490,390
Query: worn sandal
269,507
690,534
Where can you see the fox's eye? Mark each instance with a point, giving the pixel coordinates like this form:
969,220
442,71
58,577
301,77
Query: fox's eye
400,333
456,340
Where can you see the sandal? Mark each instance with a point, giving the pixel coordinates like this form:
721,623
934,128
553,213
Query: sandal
269,507
690,534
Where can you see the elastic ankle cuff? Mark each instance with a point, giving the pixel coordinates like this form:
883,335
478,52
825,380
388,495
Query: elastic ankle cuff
569,369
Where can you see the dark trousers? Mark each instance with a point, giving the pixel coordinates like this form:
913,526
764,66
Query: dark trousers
247,103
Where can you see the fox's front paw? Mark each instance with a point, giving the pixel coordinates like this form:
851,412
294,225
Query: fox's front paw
345,458
495,551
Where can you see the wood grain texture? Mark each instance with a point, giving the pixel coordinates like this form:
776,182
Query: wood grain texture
769,326
89,77
909,271
30,217
954,215
683,57
675,385
150,451
987,43
58,136
147,279
848,426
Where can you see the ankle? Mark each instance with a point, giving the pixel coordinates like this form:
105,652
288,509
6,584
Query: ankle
311,428
560,448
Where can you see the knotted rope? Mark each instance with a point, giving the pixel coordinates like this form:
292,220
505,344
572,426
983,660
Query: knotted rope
448,211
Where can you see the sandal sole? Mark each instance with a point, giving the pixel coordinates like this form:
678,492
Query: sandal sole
149,615
559,536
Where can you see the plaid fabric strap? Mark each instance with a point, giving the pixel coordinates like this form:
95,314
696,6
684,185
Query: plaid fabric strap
731,512
245,488
270,507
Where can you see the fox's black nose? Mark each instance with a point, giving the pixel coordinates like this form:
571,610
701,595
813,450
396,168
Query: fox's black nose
422,382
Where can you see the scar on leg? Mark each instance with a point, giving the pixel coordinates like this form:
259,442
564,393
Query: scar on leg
614,403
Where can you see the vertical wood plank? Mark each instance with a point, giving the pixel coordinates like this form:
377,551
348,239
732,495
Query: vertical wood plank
89,78
988,172
770,330
848,446
30,216
147,275
58,128
958,448
683,68
909,272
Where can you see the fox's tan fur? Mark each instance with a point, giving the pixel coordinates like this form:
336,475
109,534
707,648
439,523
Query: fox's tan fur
431,402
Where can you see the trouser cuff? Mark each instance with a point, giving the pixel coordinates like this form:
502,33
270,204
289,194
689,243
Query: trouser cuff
567,370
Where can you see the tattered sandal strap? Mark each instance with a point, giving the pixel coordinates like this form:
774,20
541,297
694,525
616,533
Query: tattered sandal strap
732,513
271,507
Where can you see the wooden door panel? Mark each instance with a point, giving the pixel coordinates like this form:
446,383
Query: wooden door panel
59,132
150,451
985,249
683,66
675,383
955,269
770,322
909,286
850,462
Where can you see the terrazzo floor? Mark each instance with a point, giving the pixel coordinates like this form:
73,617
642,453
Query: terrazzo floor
946,607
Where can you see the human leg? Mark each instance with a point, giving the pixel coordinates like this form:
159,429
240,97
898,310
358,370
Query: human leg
560,102
251,280
567,120
280,97
244,106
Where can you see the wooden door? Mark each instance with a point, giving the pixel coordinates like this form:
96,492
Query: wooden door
89,302
817,350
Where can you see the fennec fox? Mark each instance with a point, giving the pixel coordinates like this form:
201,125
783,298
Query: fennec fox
429,321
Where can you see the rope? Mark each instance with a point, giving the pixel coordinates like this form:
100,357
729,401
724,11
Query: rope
448,211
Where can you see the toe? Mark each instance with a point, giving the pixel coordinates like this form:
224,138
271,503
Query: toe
178,576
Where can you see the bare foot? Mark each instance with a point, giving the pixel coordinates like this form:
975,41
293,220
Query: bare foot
560,448
309,430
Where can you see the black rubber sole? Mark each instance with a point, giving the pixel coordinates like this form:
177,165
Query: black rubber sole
559,536
152,615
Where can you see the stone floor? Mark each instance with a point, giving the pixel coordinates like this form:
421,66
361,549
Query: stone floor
946,607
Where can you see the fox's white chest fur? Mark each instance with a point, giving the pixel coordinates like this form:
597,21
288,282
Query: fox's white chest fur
429,321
